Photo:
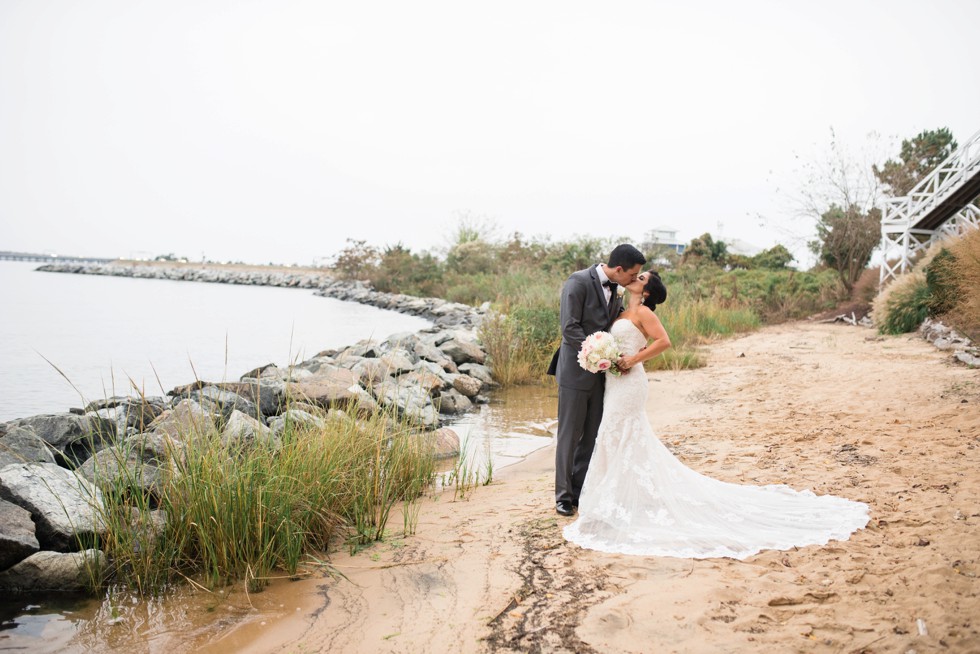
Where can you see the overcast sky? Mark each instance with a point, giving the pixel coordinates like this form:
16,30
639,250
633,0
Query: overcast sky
273,130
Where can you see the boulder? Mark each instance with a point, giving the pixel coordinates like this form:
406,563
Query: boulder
268,396
429,352
402,340
468,386
317,363
185,420
64,506
426,380
128,412
480,372
364,404
224,400
17,538
369,371
336,388
397,361
410,401
452,402
124,465
445,443
22,445
295,418
462,351
55,571
75,438
244,431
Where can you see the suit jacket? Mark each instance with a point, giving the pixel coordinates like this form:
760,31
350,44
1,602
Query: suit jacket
584,311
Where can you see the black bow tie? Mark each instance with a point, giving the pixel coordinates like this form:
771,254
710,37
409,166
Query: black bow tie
611,285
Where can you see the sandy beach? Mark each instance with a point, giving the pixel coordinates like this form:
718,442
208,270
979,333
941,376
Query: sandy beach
884,420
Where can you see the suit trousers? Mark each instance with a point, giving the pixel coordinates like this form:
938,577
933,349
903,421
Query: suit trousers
579,415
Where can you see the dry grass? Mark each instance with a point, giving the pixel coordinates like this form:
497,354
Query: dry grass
967,269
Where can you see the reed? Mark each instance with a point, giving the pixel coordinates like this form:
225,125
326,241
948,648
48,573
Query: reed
235,512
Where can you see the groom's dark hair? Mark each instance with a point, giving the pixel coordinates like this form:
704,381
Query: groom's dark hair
655,287
625,256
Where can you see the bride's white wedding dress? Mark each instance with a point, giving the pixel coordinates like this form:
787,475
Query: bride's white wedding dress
639,499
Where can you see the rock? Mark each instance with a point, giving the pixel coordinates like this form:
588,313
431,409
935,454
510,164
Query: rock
295,418
17,538
245,431
75,438
402,340
370,371
461,351
478,371
55,571
363,349
128,412
186,420
335,389
22,445
364,404
256,373
315,364
397,361
452,402
968,359
125,466
64,506
410,401
468,386
285,375
445,442
428,352
224,400
425,380
268,396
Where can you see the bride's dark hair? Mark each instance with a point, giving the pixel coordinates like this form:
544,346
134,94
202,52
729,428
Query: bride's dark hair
656,289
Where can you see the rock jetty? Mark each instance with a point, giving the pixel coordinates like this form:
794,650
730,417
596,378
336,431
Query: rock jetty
49,493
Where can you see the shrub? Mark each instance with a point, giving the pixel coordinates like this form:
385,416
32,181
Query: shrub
902,305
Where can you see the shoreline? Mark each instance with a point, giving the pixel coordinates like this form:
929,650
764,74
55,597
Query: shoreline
429,377
885,420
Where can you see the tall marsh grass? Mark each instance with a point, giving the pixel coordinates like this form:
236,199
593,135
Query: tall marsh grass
235,512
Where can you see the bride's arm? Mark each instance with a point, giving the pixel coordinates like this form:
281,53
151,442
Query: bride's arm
654,331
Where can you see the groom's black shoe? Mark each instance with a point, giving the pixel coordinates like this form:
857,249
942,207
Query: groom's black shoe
564,508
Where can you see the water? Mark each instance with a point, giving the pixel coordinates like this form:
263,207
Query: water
107,334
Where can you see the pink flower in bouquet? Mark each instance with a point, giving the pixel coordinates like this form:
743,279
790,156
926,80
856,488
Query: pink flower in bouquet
599,352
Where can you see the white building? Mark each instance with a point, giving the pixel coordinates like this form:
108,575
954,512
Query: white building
664,236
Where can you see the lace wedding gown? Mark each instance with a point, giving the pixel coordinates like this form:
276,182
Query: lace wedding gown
639,499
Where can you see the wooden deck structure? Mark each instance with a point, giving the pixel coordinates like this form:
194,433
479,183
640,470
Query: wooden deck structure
944,203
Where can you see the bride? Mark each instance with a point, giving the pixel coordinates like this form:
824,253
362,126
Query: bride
639,499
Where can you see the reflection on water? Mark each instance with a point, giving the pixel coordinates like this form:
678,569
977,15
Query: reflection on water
516,422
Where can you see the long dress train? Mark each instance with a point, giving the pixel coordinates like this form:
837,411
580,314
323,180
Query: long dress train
638,498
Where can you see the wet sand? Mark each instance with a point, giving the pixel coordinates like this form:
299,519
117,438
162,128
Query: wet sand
888,421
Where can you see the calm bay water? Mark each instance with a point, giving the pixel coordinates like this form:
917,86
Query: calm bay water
107,333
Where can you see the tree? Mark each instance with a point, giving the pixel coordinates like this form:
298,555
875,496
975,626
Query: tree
919,156
356,261
845,240
705,249
840,193
776,258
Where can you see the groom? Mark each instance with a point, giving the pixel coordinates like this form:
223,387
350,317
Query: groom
589,303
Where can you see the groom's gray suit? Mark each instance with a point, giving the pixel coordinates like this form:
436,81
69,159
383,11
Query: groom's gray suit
584,310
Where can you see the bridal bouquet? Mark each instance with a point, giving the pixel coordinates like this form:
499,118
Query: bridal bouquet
599,353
